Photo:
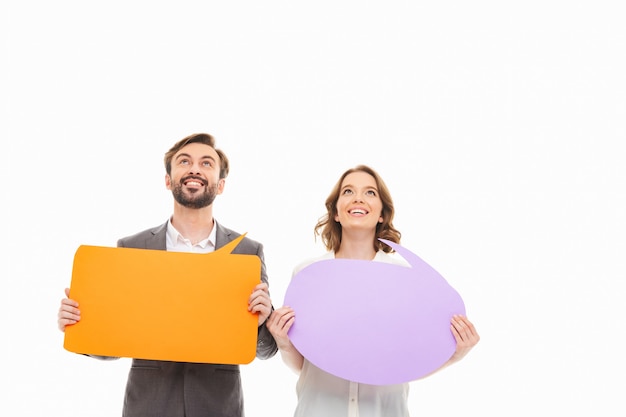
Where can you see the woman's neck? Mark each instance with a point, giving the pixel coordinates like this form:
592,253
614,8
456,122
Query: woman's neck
353,247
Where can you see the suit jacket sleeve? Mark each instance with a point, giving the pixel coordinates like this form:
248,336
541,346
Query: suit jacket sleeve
266,345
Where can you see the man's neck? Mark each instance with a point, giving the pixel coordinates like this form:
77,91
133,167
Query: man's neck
193,224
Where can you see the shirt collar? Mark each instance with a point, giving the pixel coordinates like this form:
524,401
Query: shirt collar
175,237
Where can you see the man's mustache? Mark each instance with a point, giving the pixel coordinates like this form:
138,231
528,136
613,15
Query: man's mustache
192,177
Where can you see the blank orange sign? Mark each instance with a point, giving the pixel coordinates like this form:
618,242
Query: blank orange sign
154,304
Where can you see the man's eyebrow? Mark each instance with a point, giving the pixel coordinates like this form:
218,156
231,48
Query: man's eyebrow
189,156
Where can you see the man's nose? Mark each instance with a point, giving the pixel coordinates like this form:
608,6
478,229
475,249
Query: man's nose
194,168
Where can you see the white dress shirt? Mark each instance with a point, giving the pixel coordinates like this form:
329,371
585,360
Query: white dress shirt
176,242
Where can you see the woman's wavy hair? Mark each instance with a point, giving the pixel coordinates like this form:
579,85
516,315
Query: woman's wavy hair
330,231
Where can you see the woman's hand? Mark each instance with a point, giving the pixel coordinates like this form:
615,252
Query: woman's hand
465,334
279,324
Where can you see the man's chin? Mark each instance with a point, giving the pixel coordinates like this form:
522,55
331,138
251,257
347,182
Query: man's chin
195,199
197,203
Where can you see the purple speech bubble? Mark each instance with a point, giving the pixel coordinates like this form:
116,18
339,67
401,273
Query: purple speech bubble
373,322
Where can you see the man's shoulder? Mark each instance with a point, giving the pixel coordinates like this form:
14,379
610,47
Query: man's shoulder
225,235
139,239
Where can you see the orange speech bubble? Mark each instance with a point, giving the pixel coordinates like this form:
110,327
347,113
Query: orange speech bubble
154,304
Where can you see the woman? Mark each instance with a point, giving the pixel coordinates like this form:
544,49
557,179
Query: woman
359,211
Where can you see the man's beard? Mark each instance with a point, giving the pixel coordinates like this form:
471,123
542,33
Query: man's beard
196,200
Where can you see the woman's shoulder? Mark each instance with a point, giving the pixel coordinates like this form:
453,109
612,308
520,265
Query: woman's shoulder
391,258
381,256
303,264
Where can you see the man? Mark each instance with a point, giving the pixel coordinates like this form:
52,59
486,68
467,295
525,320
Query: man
195,174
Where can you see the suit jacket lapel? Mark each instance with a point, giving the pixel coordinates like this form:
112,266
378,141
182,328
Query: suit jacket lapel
156,238
222,236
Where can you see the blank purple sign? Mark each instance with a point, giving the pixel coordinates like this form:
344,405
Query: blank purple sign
373,322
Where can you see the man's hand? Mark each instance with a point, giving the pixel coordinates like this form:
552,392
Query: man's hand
260,302
68,312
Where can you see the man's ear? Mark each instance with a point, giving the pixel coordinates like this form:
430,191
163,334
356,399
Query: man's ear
168,182
220,185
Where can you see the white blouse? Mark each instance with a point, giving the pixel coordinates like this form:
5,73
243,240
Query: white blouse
321,394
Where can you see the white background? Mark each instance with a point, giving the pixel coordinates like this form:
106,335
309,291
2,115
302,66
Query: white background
498,126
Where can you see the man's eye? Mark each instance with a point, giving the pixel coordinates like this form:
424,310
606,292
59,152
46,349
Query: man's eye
184,162
207,164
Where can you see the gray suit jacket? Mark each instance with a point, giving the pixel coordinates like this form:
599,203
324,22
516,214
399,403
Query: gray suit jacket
180,389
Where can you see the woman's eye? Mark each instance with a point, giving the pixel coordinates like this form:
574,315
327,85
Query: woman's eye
347,191
372,193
